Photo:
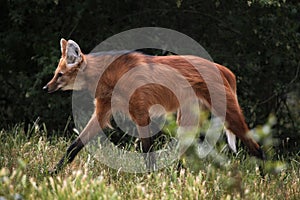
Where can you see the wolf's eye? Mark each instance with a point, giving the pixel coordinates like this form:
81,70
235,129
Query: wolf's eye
59,74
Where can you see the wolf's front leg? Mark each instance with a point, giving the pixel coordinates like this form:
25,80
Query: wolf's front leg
69,156
91,130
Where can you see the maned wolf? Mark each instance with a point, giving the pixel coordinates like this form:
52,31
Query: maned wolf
99,73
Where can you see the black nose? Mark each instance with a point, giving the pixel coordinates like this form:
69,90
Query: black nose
45,88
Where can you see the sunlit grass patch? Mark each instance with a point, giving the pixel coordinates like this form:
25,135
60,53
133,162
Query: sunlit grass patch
25,160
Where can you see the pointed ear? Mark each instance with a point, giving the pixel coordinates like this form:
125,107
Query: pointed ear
63,46
73,53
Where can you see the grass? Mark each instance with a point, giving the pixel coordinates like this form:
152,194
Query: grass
24,162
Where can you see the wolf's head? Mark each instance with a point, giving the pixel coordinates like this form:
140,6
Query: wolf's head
71,62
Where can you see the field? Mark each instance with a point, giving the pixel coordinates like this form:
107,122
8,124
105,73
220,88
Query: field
24,162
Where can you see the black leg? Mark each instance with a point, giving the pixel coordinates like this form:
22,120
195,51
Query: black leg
147,147
262,154
148,150
262,164
69,156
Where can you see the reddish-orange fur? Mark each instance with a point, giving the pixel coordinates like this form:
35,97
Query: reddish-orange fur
99,73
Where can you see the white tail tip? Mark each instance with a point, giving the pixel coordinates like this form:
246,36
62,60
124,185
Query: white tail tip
231,138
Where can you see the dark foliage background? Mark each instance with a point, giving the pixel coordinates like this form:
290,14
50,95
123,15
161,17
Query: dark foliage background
259,40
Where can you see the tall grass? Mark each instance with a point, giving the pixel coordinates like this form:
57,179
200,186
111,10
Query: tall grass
24,162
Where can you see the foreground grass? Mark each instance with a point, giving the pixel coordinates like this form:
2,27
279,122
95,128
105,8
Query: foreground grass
24,162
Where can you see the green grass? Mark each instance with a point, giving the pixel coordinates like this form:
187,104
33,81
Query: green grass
24,162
